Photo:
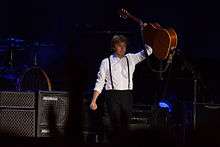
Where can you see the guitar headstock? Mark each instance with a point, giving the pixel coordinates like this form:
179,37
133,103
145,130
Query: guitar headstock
124,13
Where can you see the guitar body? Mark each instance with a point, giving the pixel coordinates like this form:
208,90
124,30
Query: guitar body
161,40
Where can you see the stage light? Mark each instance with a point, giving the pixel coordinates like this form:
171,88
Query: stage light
165,104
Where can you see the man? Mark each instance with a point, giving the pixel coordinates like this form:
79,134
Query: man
116,73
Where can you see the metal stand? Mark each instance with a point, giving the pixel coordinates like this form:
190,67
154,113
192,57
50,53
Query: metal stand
35,46
194,102
196,77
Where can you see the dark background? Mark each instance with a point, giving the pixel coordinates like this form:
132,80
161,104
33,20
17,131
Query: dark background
77,35
80,33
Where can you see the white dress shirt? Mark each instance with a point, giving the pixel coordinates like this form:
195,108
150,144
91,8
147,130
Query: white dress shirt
119,71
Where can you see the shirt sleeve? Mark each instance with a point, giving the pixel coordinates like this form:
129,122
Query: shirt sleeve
140,56
101,77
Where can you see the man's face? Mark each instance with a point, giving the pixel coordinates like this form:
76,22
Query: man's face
120,48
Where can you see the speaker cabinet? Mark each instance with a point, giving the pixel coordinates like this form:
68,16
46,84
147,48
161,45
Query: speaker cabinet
53,107
17,114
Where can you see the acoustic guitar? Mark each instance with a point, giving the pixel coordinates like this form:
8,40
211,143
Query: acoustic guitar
163,41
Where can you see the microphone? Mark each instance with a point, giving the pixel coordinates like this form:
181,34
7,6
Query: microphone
170,58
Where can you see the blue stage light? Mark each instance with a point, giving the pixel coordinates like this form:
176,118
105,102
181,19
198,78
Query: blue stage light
165,105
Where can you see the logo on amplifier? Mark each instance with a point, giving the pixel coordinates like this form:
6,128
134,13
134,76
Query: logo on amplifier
48,98
45,131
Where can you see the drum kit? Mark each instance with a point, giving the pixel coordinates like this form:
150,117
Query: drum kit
19,69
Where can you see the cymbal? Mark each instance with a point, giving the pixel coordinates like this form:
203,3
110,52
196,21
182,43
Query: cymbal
17,43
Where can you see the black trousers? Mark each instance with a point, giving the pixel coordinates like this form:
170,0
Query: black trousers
119,106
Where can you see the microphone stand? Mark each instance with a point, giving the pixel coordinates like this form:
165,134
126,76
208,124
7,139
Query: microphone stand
196,77
188,65
161,69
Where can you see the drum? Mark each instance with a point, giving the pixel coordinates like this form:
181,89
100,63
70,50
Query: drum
34,79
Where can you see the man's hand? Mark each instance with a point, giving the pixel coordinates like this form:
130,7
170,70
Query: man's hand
93,106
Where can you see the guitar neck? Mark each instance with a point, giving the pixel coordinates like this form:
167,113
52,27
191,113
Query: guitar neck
139,21
125,14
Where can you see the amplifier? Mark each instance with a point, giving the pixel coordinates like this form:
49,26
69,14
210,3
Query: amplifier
17,122
33,115
53,107
207,115
17,99
17,114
